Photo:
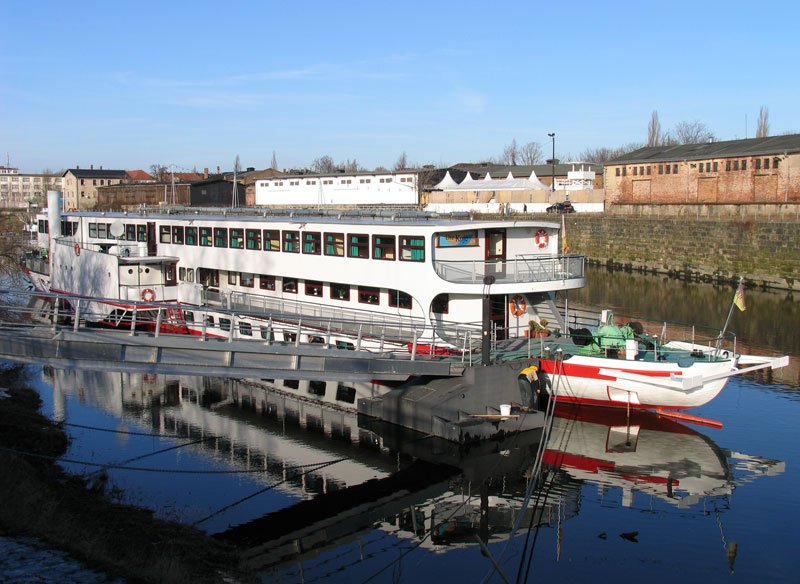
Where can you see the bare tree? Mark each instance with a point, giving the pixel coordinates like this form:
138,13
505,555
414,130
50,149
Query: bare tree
511,153
604,154
351,166
530,153
762,128
691,133
654,130
158,171
323,165
274,165
402,162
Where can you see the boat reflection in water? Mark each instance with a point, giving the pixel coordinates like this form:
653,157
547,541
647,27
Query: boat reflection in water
420,492
647,454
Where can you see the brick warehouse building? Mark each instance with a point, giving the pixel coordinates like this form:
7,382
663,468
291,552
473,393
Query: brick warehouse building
758,170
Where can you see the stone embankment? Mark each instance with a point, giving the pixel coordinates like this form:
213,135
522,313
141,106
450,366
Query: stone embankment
694,243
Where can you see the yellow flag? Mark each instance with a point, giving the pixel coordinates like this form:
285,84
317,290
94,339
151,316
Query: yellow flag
738,298
564,246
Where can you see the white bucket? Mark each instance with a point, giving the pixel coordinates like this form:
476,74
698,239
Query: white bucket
505,409
631,349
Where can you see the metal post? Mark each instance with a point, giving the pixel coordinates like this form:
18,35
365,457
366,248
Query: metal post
133,320
553,162
158,322
328,335
77,320
55,313
205,326
358,344
233,328
414,346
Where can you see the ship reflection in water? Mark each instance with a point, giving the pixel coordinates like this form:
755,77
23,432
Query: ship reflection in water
348,482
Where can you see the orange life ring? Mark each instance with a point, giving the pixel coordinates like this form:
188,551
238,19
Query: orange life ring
148,295
517,305
77,249
541,238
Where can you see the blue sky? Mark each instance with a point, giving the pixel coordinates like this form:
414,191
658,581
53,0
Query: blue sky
129,84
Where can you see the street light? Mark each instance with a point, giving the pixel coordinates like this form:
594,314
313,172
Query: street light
553,162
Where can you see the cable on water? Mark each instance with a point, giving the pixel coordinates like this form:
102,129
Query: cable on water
265,489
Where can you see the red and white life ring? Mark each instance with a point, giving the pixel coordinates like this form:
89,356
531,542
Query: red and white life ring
517,305
77,249
148,295
541,238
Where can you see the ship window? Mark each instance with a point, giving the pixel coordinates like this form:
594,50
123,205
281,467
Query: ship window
383,247
334,244
237,238
165,234
188,316
313,288
290,285
266,282
345,394
369,295
208,320
398,299
441,304
316,387
177,234
191,236
292,383
232,278
170,278
412,249
345,345
92,229
253,238
291,241
206,234
266,333
315,339
141,233
220,237
245,329
225,324
272,240
247,280
340,291
358,246
311,242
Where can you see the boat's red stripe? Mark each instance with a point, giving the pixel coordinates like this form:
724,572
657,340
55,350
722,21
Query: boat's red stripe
593,465
593,371
613,404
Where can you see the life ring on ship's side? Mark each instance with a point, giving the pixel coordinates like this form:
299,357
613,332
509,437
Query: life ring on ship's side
541,238
148,295
517,305
77,249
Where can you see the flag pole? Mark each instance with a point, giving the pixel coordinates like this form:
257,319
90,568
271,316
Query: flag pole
739,288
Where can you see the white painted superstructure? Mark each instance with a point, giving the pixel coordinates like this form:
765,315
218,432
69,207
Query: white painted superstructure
360,188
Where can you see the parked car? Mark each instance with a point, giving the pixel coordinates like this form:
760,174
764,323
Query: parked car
565,207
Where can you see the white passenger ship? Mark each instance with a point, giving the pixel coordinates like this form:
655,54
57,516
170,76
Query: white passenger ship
383,280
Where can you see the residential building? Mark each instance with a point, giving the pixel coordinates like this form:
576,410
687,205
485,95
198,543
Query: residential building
80,186
757,170
19,190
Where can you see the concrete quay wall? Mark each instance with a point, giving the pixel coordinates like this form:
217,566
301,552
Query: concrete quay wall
694,242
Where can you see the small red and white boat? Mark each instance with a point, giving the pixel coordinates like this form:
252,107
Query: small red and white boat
626,367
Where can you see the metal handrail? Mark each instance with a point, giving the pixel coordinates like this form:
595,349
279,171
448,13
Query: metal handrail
521,268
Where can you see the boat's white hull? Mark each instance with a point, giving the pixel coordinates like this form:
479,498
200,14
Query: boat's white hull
637,384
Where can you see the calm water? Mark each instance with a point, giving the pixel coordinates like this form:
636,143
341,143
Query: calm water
652,499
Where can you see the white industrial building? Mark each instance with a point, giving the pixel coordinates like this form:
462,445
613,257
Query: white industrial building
361,188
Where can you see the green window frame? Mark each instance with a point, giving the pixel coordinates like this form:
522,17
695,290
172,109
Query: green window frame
237,238
191,236
311,242
334,244
272,240
220,237
383,247
253,238
206,236
412,248
291,241
358,245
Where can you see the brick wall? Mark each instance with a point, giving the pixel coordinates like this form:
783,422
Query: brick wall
766,252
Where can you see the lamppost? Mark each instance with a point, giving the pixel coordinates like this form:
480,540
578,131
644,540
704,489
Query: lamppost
553,162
